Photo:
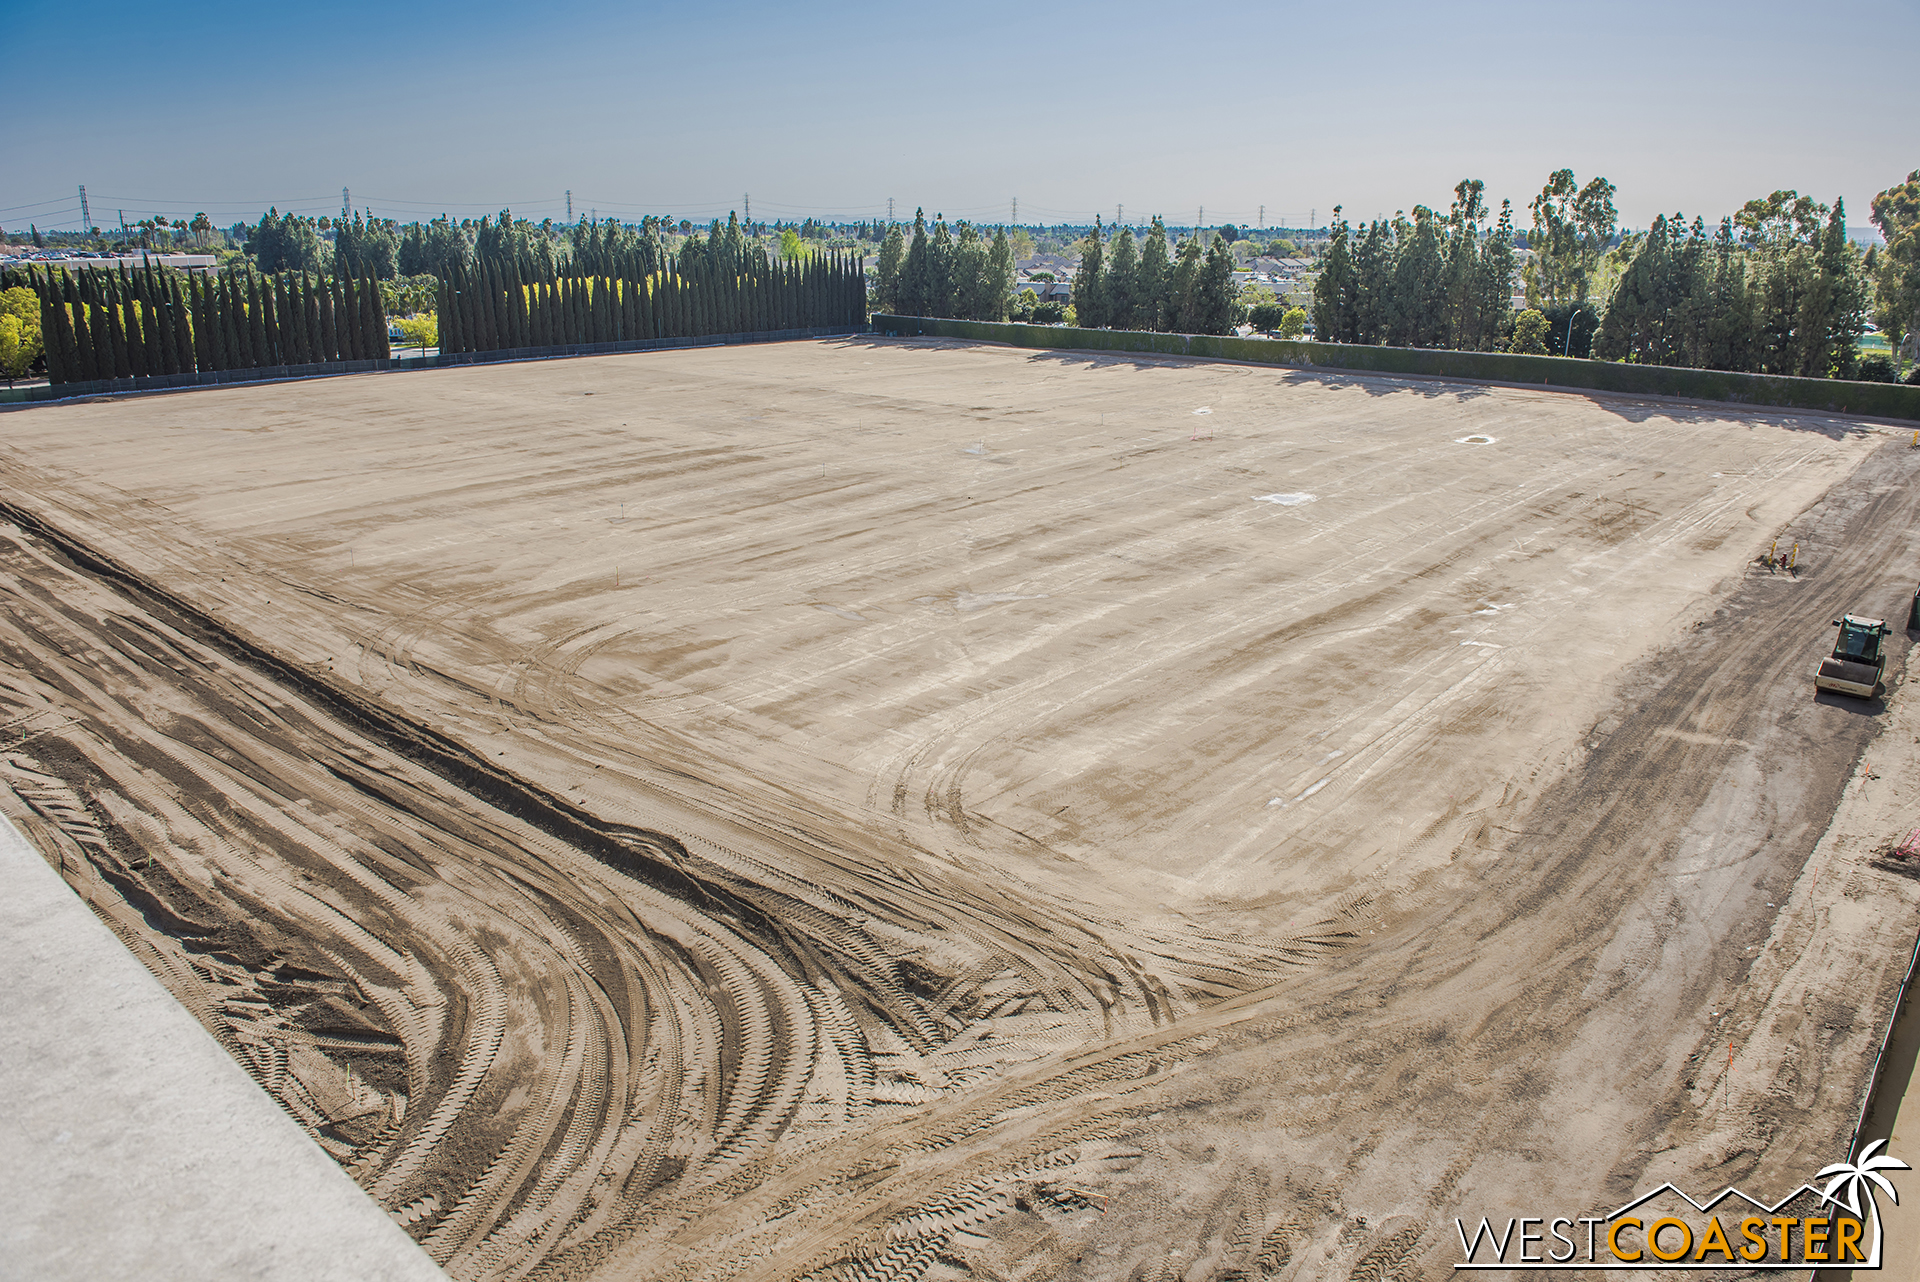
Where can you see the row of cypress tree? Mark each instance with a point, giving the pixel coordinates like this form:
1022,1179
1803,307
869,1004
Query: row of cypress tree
500,304
1439,280
1118,286
101,324
1792,304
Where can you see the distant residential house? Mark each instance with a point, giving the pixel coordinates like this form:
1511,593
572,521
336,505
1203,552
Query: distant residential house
1046,291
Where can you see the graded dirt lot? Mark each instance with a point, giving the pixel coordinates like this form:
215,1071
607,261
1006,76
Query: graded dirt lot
914,809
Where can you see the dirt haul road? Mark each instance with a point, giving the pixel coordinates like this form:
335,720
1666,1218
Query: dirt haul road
923,810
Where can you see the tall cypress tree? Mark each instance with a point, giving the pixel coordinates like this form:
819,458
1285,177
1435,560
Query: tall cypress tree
446,315
85,364
259,337
183,355
355,313
1183,288
327,335
163,328
106,362
234,323
537,313
203,352
165,358
206,335
292,312
1335,290
56,331
117,332
381,346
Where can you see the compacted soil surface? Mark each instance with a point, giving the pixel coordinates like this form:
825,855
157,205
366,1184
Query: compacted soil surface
911,809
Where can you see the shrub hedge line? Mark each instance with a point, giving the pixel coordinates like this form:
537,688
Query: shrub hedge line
1880,400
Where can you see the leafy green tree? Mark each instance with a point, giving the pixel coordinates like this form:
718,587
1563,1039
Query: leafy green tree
1417,316
1896,272
1294,323
1374,261
1465,299
1493,281
1838,312
915,288
289,244
1266,317
1336,289
1777,222
1122,282
1000,274
21,340
972,276
1646,321
1807,286
1089,284
886,273
1151,280
1572,226
1530,333
1218,310
365,247
1182,306
436,248
940,276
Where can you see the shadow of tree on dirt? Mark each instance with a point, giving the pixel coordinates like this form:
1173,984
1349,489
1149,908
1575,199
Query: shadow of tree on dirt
1632,407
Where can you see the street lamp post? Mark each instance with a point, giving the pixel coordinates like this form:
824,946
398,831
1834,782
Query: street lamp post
1570,315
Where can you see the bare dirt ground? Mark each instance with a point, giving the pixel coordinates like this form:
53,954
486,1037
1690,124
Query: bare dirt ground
919,810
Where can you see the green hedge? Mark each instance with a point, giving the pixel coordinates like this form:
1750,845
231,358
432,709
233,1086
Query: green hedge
1881,400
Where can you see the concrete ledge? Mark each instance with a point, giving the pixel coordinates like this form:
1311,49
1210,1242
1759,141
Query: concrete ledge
131,1144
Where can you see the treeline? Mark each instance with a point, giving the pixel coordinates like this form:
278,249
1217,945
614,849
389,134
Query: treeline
621,292
1778,288
948,272
1791,299
1428,281
100,324
1119,285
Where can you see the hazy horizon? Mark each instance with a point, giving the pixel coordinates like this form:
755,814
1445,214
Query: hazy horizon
1077,111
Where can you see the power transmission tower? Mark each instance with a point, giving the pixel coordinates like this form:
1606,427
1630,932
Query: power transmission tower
889,211
1263,218
1119,214
1313,219
569,204
346,205
86,215
1203,219
746,200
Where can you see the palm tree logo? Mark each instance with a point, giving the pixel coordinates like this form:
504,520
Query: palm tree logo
1854,1180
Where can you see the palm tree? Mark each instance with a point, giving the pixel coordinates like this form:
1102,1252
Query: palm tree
1857,1179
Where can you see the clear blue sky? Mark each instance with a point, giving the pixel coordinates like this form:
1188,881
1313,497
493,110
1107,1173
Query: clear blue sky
829,109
